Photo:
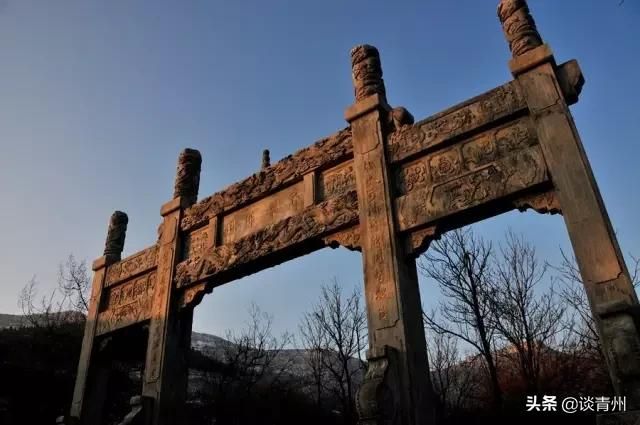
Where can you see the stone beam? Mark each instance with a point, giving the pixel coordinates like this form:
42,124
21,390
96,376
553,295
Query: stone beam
497,163
288,238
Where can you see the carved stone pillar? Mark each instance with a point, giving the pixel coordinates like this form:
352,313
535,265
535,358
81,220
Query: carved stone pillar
88,394
606,279
266,159
391,284
165,374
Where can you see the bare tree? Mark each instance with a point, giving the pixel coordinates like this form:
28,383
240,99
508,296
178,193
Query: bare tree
459,262
253,353
581,342
454,381
65,303
74,282
574,295
314,339
248,365
334,332
526,319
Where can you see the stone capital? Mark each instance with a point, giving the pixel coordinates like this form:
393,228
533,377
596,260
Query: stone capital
104,261
173,205
531,59
366,105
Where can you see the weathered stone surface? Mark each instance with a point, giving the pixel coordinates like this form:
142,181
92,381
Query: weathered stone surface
348,238
286,171
394,312
378,401
126,304
602,267
337,180
198,241
366,72
311,223
255,216
419,239
386,187
135,264
187,179
545,202
622,351
466,155
493,165
456,121
116,234
518,26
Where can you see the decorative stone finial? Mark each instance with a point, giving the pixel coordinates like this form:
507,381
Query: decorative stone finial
518,26
115,235
188,176
266,159
366,71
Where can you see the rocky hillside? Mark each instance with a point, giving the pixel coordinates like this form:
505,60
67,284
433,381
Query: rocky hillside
12,321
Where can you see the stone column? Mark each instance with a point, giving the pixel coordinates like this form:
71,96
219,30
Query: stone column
397,388
548,90
88,394
166,373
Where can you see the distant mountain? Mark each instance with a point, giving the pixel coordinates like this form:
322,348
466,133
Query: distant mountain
12,321
19,320
294,362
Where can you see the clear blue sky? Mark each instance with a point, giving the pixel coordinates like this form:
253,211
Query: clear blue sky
97,98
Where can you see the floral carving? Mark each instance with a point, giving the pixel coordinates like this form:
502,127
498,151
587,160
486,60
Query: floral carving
366,72
518,26
349,238
133,265
188,175
193,295
504,176
445,165
286,171
114,244
514,137
339,182
456,121
504,100
479,151
414,175
471,189
126,304
544,203
197,242
420,240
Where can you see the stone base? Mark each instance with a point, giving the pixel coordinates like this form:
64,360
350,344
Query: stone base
621,418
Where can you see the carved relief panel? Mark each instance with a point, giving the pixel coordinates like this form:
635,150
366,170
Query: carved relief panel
126,303
256,216
132,265
337,180
482,110
491,165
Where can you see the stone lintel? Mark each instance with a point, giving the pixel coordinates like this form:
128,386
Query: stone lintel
364,106
531,59
104,261
174,204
